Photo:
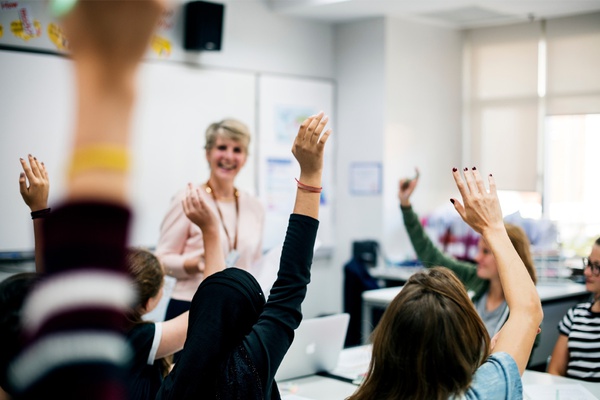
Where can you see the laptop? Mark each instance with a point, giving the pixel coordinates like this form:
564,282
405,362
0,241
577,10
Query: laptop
317,345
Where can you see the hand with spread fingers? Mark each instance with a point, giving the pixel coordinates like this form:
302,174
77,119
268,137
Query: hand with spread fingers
34,184
309,146
481,209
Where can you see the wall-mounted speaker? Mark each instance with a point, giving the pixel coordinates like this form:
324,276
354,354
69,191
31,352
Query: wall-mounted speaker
203,25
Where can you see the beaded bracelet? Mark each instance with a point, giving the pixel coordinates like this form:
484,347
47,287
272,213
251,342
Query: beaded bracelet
40,213
107,157
313,189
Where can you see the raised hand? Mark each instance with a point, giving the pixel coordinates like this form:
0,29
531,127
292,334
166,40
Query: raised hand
309,145
406,187
116,32
34,184
198,211
481,209
200,214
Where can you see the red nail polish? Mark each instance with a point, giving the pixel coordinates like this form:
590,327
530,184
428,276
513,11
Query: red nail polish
474,168
454,169
466,169
490,174
452,201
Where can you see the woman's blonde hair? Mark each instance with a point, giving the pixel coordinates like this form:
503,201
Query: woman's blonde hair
230,129
428,343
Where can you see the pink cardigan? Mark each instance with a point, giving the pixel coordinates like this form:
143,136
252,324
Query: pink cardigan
180,239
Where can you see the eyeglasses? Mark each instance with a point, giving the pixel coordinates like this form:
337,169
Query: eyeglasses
594,267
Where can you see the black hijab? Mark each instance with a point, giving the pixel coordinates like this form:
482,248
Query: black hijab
214,363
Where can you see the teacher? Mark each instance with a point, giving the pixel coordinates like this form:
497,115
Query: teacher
241,217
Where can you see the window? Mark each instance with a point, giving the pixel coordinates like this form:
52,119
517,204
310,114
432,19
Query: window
572,179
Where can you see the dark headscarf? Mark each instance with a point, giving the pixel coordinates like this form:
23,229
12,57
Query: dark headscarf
214,363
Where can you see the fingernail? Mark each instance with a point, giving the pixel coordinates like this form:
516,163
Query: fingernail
454,169
20,159
35,158
29,155
490,174
466,169
452,201
474,168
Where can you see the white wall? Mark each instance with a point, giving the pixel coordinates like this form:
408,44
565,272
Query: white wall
422,121
359,69
256,39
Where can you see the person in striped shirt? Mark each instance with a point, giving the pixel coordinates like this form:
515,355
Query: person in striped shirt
576,353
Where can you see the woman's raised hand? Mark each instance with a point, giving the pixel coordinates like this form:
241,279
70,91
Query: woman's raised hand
34,183
115,32
197,210
481,209
308,147
406,187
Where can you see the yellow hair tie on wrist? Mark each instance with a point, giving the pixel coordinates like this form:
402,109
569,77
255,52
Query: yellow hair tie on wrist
99,157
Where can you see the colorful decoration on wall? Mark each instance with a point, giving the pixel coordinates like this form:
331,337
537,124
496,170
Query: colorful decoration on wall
161,46
57,36
26,27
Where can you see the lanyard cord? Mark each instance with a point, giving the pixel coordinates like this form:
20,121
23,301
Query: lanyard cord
236,196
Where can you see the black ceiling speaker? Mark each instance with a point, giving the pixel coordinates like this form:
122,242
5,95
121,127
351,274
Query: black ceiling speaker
203,25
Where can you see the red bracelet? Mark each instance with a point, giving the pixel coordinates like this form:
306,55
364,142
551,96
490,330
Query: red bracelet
313,189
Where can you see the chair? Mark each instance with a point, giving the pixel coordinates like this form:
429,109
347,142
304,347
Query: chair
356,280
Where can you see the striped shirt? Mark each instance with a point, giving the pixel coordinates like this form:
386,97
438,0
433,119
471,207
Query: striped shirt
582,327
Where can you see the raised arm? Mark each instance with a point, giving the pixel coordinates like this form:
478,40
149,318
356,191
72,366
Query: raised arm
34,186
308,149
200,214
481,210
427,252
74,319
175,330
282,314
406,187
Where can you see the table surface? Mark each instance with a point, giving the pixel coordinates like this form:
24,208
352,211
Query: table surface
324,388
547,292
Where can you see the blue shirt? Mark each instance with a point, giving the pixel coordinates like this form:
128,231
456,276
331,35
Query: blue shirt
497,379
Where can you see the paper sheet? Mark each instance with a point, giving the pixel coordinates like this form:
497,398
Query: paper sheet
557,392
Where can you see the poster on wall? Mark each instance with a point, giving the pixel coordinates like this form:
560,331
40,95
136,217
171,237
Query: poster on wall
283,104
32,25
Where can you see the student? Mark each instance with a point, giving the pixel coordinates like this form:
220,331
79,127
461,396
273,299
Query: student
151,342
431,343
154,342
482,280
74,318
241,217
235,341
576,353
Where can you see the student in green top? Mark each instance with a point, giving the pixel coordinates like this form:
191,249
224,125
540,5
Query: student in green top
481,280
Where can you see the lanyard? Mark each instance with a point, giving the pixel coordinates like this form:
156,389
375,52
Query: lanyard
236,196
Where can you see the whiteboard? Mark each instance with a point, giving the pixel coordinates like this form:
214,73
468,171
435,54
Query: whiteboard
176,103
284,102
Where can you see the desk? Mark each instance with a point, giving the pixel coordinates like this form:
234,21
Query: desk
541,378
556,299
324,388
315,387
